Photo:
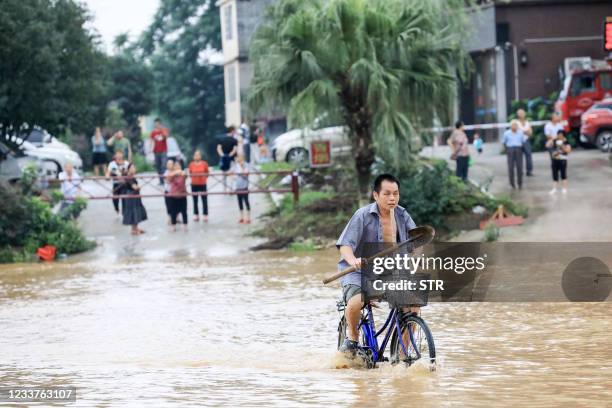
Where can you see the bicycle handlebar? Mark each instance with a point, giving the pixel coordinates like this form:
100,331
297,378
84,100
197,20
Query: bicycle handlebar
419,235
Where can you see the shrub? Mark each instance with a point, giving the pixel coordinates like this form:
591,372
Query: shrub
491,232
28,223
142,165
430,192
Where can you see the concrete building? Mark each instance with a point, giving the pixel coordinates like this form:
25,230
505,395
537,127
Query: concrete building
239,20
519,46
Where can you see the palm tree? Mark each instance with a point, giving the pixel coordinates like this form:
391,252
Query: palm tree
386,67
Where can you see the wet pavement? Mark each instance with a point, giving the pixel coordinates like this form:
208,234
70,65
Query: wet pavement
583,214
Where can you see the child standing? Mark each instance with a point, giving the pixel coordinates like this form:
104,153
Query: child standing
478,142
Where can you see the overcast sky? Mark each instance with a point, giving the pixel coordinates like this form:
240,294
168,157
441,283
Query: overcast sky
113,17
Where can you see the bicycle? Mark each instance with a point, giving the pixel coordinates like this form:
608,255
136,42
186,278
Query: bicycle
421,342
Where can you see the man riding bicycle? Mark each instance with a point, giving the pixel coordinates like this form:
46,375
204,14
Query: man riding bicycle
370,224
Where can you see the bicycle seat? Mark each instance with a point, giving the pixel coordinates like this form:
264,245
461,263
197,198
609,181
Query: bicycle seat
341,305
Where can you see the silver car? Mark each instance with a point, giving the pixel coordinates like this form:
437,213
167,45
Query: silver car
13,162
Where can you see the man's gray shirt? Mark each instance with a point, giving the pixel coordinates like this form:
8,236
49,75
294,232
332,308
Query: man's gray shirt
365,227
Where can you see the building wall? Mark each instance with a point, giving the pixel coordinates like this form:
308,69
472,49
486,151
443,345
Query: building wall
229,31
239,20
232,84
250,13
539,28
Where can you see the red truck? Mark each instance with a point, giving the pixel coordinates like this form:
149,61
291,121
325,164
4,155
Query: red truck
586,82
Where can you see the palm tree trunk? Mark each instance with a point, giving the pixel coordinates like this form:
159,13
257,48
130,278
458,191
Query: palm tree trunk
364,157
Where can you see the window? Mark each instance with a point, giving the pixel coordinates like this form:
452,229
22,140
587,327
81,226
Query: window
605,80
603,106
36,137
231,83
583,83
228,19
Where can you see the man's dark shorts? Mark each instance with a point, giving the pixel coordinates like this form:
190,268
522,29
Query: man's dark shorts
349,291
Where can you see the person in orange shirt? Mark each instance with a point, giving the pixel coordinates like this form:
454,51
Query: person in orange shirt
198,184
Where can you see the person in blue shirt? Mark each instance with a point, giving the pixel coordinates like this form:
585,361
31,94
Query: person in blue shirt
383,221
513,141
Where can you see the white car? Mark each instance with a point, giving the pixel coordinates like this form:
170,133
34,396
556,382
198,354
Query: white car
59,156
294,146
42,138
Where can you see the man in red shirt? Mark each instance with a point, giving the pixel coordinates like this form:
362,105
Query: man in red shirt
159,148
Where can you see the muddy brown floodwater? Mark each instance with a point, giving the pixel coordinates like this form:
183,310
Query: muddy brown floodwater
203,323
261,330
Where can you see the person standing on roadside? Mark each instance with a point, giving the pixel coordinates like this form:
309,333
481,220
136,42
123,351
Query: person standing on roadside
245,137
178,195
242,190
70,187
198,170
254,147
159,148
513,140
133,210
115,170
227,148
559,149
120,143
525,127
98,150
553,127
459,144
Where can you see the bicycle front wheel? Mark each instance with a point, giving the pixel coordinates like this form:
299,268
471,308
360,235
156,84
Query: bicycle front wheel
417,342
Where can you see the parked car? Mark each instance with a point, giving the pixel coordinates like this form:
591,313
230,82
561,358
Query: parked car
56,155
42,138
596,125
13,162
294,146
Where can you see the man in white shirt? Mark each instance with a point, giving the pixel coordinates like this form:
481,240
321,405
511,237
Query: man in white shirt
553,127
70,186
525,127
117,168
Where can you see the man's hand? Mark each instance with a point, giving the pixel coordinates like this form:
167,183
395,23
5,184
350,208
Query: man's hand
356,262
346,252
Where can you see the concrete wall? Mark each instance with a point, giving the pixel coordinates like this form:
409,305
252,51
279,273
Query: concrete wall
243,16
227,14
548,32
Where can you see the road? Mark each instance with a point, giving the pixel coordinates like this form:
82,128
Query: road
584,214
220,236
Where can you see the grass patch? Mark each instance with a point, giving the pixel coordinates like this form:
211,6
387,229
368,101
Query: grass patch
304,246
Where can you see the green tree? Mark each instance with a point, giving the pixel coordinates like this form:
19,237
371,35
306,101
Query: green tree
51,68
131,88
387,67
188,87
